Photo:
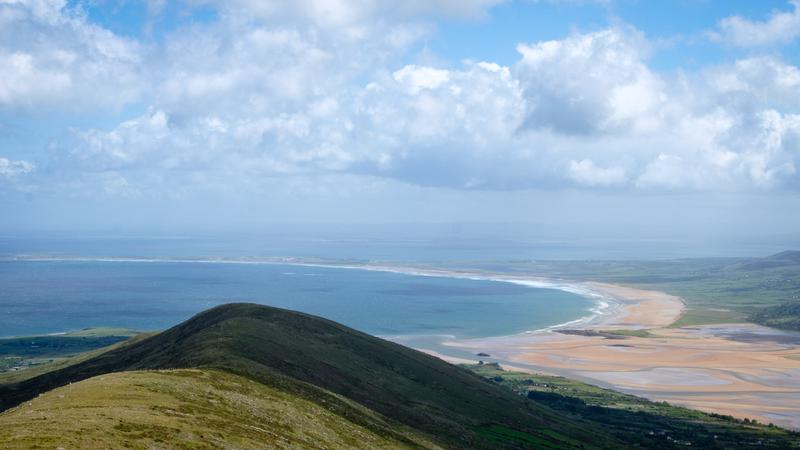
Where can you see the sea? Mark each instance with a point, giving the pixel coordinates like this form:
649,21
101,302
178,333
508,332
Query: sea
51,296
61,284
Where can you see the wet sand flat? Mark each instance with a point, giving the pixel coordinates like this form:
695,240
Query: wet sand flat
739,369
744,370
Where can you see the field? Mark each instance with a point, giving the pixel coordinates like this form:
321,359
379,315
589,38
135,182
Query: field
19,353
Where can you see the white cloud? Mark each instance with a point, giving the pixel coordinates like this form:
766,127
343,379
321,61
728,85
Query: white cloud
233,102
752,84
391,128
416,78
253,99
129,145
769,151
9,168
52,57
278,102
453,127
588,83
586,173
780,28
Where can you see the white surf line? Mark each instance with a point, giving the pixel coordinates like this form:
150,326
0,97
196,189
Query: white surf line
603,303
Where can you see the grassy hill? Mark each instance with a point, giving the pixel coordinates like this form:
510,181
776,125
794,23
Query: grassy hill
186,408
370,383
243,375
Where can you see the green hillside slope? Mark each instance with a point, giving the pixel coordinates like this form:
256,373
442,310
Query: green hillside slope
184,409
334,366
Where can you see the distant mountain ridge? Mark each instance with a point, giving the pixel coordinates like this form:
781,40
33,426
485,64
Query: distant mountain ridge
784,258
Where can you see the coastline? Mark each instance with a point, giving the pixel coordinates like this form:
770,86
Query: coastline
742,370
616,306
710,368
605,305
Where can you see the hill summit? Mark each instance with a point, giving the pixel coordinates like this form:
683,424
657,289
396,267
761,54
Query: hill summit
341,369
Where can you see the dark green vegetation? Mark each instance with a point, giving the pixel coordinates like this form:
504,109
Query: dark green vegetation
634,333
716,290
786,316
387,389
24,352
637,420
608,334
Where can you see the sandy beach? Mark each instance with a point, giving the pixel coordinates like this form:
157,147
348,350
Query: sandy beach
744,370
740,369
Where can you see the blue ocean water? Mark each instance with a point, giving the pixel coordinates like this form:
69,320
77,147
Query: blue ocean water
54,296
429,247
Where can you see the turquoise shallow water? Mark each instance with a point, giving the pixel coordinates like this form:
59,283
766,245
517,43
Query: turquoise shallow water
53,296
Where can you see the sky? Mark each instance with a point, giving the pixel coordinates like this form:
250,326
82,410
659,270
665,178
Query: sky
640,117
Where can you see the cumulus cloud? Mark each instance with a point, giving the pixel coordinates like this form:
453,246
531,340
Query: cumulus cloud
451,127
752,84
588,83
53,57
286,94
274,102
780,28
393,127
735,128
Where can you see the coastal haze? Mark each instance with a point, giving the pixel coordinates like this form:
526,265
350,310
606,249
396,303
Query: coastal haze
591,205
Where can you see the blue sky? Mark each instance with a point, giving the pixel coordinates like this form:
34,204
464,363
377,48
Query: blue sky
682,23
678,27
202,114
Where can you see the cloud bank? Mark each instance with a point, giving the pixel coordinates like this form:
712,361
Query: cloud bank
321,88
